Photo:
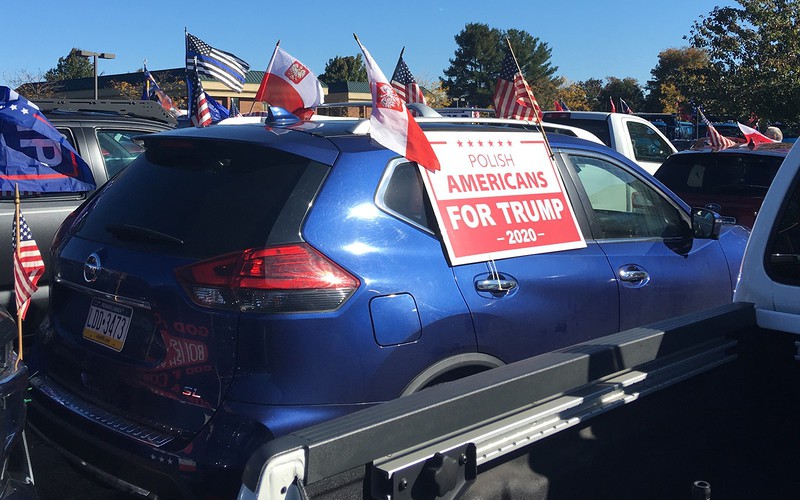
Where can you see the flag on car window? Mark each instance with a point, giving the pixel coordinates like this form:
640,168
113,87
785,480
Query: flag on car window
289,84
34,156
613,107
513,97
391,124
199,112
624,106
152,91
233,110
717,140
404,83
753,136
28,265
564,106
215,63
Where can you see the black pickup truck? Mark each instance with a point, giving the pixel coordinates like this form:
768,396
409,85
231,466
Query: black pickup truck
103,133
721,409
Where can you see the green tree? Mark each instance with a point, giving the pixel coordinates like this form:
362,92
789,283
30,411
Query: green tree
71,66
754,54
344,69
592,89
679,75
474,69
626,88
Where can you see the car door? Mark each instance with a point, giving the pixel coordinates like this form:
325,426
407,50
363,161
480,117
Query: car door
661,271
555,299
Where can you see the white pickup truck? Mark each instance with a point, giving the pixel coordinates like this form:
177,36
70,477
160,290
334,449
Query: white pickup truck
629,135
721,406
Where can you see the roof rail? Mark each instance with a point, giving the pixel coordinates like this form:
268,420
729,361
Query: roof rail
140,109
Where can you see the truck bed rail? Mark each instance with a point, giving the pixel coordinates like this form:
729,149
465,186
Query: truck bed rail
436,438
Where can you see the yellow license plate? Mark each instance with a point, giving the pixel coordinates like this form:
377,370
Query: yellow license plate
107,324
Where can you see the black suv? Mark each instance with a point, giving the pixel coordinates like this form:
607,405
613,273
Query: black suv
104,134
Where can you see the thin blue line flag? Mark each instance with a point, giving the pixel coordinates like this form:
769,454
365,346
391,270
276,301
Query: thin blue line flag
33,155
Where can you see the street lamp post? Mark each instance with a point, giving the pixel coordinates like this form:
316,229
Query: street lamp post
95,55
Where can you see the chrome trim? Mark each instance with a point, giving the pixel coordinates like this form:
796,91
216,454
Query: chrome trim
99,416
140,303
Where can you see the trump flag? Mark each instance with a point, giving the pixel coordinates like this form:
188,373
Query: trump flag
34,156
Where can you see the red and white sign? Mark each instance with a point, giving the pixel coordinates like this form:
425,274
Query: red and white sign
499,195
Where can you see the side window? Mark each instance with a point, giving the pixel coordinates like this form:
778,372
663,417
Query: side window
623,205
405,195
783,251
67,133
118,148
647,145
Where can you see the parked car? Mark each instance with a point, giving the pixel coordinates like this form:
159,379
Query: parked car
103,133
732,181
14,471
244,280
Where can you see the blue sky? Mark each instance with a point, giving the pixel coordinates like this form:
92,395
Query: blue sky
588,39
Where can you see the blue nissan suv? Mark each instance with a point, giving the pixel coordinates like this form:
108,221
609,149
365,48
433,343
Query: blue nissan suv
241,281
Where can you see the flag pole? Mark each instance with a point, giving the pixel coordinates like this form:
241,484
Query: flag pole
17,252
266,74
532,100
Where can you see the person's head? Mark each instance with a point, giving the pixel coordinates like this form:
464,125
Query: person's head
774,133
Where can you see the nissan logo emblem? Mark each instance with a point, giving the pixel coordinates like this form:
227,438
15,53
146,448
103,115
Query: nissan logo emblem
92,268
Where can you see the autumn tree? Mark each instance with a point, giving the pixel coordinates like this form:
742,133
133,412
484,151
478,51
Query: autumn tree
478,58
754,56
679,76
344,69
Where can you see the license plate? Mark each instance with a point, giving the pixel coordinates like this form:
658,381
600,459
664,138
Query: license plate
108,323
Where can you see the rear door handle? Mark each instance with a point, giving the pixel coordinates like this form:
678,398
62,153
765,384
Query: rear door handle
495,284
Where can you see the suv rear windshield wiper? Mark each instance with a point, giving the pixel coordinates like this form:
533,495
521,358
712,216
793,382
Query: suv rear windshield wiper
128,232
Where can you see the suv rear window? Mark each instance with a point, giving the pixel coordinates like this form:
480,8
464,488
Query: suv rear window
205,198
719,173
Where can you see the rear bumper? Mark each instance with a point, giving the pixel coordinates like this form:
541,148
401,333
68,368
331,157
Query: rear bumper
208,465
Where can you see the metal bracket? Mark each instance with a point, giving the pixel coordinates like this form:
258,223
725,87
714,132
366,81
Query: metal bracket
443,475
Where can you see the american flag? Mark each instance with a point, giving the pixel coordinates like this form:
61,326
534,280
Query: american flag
512,96
199,112
215,63
28,266
404,83
624,106
717,140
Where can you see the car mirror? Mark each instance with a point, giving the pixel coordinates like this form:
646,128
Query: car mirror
706,224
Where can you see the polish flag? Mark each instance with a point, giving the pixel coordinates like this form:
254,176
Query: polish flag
753,135
288,83
391,124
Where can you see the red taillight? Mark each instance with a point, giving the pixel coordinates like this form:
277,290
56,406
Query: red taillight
289,278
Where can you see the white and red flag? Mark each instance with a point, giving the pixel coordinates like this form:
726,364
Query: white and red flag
288,83
391,124
754,136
